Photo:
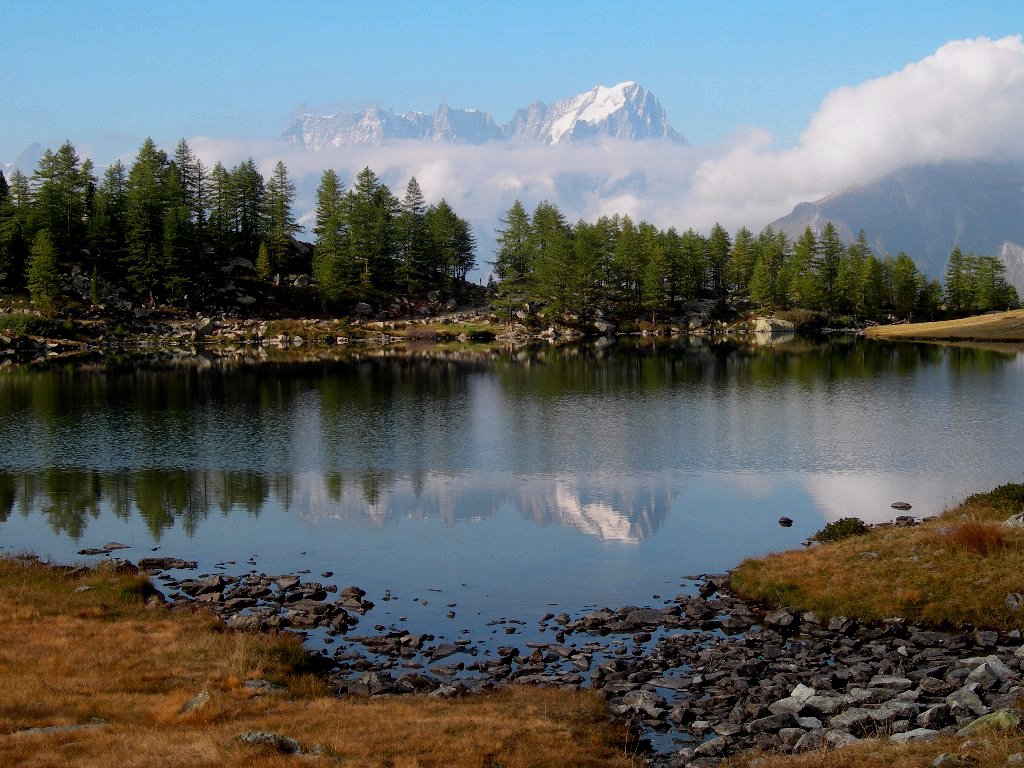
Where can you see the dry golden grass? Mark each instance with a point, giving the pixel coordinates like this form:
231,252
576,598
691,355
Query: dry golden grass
956,569
1001,326
69,658
990,749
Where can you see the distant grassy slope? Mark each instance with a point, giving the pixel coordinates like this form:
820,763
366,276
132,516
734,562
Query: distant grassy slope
1003,326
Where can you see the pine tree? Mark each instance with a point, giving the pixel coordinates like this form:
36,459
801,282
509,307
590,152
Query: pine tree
513,260
263,266
411,234
60,199
43,277
829,254
551,242
798,276
107,225
280,225
957,281
371,210
719,248
741,261
333,267
146,204
247,191
15,226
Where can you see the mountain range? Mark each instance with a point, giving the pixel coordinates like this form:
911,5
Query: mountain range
926,210
625,111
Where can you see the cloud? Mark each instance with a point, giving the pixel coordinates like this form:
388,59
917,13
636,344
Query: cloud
966,101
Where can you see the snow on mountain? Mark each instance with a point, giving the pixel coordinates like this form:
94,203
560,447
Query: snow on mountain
625,111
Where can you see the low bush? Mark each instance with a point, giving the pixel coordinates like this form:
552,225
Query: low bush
844,528
804,320
26,324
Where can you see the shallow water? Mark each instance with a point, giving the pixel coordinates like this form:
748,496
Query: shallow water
501,487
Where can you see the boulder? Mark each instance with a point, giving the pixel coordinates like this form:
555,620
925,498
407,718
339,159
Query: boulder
772,326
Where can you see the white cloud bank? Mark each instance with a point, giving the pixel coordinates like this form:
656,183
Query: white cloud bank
966,101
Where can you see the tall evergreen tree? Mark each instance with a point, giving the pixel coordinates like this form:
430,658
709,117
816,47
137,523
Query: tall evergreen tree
15,226
412,238
551,242
108,225
719,249
958,283
830,252
333,267
145,206
741,261
60,195
280,224
248,190
43,277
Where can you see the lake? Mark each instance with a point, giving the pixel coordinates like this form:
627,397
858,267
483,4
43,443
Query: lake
499,485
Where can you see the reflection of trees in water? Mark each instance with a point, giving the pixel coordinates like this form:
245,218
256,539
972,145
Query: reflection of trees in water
417,425
161,498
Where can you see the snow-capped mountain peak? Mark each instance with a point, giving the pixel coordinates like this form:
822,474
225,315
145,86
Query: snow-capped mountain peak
625,111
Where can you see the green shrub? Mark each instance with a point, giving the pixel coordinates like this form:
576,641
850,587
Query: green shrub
25,324
804,320
844,528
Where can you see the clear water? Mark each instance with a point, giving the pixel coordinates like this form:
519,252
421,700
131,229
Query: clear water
503,486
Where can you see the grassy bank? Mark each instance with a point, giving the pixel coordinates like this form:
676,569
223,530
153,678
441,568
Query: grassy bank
952,570
1000,326
80,648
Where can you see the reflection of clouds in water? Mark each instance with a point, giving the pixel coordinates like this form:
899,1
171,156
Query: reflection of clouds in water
753,486
623,508
869,496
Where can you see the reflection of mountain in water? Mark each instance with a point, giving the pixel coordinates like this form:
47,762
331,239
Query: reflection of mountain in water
614,508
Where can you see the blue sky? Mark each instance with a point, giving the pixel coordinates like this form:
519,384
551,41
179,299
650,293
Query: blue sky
107,74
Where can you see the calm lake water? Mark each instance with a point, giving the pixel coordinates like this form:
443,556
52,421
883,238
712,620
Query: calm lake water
503,486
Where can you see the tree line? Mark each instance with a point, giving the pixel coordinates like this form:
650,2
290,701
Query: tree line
634,269
166,227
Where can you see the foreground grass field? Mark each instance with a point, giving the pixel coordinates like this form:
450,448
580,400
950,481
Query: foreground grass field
98,657
1002,326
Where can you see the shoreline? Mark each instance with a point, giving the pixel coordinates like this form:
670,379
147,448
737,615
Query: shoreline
704,676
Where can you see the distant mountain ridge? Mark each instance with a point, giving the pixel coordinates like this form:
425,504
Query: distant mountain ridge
626,111
926,210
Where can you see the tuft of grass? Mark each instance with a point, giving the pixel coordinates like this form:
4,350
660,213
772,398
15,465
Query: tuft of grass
982,539
27,324
72,657
953,570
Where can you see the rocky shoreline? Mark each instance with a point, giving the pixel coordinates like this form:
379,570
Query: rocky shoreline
702,676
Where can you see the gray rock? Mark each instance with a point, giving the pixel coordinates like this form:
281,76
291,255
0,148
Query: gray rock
197,702
839,739
204,327
892,682
934,717
791,736
604,327
1000,720
854,720
363,309
789,706
645,701
810,741
712,748
1014,601
918,734
283,744
802,693
965,701
953,760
